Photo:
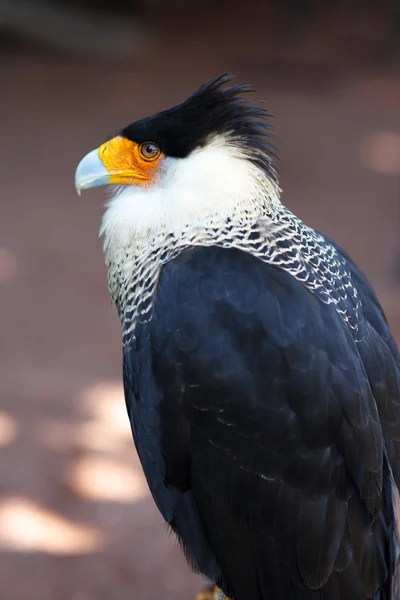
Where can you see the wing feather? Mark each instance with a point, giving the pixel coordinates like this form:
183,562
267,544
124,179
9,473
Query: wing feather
261,434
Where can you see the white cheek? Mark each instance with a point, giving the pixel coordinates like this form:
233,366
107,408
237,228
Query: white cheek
212,180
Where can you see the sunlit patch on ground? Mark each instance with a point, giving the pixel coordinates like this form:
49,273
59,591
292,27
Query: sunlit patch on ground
25,526
8,264
92,436
380,152
105,479
103,473
105,403
106,428
8,429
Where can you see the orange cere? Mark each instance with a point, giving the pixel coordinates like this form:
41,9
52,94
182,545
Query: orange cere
123,160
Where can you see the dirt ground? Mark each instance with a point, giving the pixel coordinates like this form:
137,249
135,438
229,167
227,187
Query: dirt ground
76,521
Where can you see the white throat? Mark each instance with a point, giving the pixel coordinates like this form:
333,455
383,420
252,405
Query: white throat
212,183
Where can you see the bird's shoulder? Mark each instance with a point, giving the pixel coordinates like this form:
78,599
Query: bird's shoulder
214,280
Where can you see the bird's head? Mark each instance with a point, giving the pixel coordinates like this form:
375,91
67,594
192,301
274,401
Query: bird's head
207,156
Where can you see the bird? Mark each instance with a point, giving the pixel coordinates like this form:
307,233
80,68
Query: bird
261,378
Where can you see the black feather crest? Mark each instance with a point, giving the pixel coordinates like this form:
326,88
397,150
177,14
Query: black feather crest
210,110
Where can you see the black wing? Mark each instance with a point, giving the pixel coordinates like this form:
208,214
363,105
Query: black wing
259,433
382,363
161,437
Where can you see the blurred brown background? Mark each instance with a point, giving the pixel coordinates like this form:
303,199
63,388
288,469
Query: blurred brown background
76,521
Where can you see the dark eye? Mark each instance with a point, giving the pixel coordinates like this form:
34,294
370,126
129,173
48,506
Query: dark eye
149,150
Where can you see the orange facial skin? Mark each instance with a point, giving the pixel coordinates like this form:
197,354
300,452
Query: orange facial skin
126,164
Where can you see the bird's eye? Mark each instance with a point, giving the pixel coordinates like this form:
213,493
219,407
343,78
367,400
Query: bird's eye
149,150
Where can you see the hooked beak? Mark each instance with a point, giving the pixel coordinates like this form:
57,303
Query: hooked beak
91,172
114,162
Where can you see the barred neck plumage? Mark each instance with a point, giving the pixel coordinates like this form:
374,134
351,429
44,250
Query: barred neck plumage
268,231
201,174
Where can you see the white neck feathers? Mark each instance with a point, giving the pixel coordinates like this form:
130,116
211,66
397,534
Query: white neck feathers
212,183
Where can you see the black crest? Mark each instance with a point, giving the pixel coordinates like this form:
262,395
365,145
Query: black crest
209,110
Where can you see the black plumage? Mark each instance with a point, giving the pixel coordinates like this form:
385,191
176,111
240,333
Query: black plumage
210,109
255,415
261,379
